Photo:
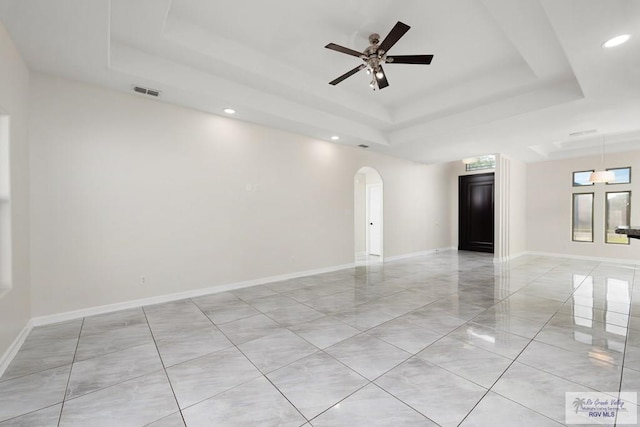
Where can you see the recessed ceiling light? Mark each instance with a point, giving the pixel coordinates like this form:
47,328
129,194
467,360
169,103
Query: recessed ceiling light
229,111
616,41
335,138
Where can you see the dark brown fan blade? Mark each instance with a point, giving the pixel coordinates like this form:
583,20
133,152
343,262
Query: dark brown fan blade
394,35
343,49
409,59
383,82
347,74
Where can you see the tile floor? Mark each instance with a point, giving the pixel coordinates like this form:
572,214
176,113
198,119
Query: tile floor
448,339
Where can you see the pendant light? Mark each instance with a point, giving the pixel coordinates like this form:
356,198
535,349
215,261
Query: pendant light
602,176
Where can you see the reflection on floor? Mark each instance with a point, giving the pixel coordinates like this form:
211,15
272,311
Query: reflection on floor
445,339
367,259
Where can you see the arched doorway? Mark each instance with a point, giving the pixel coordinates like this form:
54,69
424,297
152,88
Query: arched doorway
368,216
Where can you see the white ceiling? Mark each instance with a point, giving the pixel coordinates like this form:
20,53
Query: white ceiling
508,76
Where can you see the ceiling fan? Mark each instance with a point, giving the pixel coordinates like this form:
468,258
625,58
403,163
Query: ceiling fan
376,55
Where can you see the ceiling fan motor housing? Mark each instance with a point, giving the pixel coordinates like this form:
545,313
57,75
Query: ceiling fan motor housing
373,58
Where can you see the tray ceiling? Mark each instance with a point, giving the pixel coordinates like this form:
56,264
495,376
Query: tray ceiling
515,77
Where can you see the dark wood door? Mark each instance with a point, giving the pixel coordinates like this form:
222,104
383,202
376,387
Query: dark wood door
476,212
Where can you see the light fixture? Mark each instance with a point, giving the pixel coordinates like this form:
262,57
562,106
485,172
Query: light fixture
470,160
379,74
229,111
599,177
616,41
602,176
335,138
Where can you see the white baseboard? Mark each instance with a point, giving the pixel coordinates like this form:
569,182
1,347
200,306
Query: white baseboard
582,257
11,352
417,254
91,311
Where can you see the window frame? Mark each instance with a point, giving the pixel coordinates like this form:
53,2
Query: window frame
620,168
606,216
573,216
573,176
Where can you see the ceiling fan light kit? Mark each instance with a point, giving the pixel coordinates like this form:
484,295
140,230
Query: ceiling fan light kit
616,41
376,54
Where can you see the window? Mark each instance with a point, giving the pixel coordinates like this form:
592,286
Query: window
581,178
483,162
617,212
623,175
582,218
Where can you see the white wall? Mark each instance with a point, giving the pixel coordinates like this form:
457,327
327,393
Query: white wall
517,208
14,86
124,186
549,190
436,204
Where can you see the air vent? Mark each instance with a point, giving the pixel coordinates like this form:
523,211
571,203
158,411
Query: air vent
146,91
363,146
583,132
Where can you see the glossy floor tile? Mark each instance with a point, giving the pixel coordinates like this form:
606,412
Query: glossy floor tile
190,344
42,417
440,395
447,339
315,383
110,321
206,376
99,372
467,361
276,350
495,410
597,368
136,402
371,406
537,390
29,393
257,402
367,355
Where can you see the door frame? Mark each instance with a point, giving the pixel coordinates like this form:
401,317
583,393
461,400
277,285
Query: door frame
461,231
364,176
